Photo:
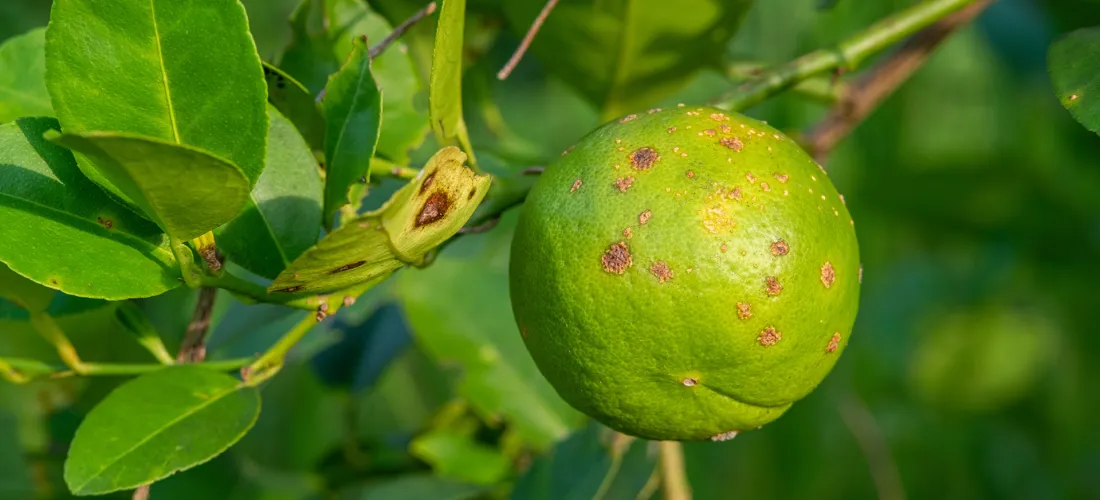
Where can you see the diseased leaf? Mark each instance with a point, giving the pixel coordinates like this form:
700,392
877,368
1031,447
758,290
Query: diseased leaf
1074,65
282,217
353,118
54,219
24,292
183,72
355,253
624,55
297,104
434,206
499,379
157,424
23,77
186,191
460,457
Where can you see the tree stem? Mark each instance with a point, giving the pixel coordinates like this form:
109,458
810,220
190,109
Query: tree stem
527,39
272,360
848,55
377,49
674,478
193,347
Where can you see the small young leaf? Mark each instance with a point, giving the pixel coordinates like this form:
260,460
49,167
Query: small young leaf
24,292
353,119
460,457
57,223
296,103
157,424
435,205
282,218
1074,64
182,72
186,191
356,253
23,77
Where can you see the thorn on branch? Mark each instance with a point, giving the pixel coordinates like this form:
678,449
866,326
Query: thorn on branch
527,39
380,47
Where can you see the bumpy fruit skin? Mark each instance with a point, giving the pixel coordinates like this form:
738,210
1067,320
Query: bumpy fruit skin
684,273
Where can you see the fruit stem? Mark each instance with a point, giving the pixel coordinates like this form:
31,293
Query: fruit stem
674,481
846,56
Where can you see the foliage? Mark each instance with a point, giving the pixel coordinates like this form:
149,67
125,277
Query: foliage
250,161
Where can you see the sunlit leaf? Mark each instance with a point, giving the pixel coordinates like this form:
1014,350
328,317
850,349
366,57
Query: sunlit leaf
460,457
445,81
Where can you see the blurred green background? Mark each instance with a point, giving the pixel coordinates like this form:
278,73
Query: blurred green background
970,374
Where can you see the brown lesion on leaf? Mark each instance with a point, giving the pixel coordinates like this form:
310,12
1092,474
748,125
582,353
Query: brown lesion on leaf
106,223
576,185
644,217
770,336
434,209
427,183
744,310
644,158
628,118
772,285
732,143
568,150
661,271
690,382
617,258
347,267
472,193
828,275
290,289
780,248
834,343
623,183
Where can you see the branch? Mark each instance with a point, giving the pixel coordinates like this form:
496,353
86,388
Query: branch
193,347
881,81
527,39
823,89
848,55
674,479
380,47
28,369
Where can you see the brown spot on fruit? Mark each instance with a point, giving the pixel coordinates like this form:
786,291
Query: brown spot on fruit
671,129
828,275
736,193
749,177
725,128
725,436
744,310
627,118
427,183
628,233
765,186
770,336
644,217
690,381
434,209
347,267
723,248
719,117
576,185
623,183
834,343
782,178
690,174
861,273
772,285
780,248
644,158
732,143
349,301
655,110
710,132
617,258
661,270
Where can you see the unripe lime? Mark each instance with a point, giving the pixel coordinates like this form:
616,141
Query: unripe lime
685,274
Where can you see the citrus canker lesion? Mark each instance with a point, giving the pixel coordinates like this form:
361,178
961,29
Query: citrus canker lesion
704,299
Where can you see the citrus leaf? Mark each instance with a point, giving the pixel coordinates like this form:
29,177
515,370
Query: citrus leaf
150,171
54,219
1074,65
182,72
24,292
460,457
297,104
445,81
318,48
434,206
355,253
23,77
459,312
416,487
624,55
134,320
353,117
282,217
157,424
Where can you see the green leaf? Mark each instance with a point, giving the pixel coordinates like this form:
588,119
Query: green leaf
297,104
416,487
186,191
353,117
1074,65
624,55
55,220
24,292
445,82
355,253
593,463
460,312
434,206
23,77
137,323
460,457
156,425
322,35
282,217
184,72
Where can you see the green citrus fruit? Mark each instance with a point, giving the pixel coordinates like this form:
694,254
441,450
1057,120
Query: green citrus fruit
684,274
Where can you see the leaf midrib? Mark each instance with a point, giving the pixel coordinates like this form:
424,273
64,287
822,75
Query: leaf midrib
164,74
148,438
270,229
